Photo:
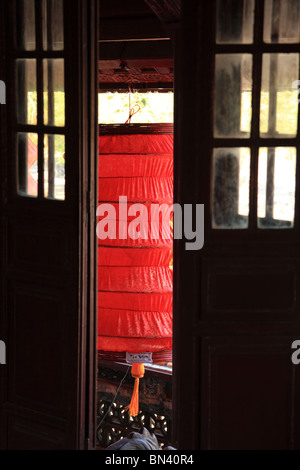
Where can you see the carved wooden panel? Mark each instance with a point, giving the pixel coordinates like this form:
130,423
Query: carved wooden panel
118,423
129,75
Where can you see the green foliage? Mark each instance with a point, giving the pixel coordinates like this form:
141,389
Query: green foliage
154,107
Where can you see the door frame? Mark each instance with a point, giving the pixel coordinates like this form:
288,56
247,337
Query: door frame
81,31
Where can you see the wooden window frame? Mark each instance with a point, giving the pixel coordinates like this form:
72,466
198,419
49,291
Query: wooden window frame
39,54
255,141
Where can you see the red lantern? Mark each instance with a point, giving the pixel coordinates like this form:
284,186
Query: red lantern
134,272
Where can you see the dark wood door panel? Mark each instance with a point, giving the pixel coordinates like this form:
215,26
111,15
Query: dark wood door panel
25,434
38,329
249,389
236,300
39,246
47,314
250,289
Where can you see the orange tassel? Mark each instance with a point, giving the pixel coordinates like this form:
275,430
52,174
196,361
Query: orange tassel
137,371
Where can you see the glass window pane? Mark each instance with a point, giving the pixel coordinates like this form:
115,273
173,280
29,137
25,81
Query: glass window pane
282,21
231,179
25,25
235,19
53,25
276,187
54,166
26,91
54,94
279,98
27,164
233,95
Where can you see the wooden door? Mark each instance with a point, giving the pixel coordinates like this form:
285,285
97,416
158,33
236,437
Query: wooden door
48,151
237,299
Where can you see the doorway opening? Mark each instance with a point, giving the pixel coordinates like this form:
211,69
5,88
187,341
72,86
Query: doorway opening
134,275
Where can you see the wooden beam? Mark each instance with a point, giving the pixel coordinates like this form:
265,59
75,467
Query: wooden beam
162,65
138,86
124,9
160,49
151,70
168,11
135,76
109,64
150,63
131,29
163,70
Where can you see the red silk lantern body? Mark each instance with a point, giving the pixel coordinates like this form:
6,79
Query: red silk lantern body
134,275
32,158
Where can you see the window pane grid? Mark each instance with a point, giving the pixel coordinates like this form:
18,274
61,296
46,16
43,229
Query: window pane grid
276,187
282,132
39,57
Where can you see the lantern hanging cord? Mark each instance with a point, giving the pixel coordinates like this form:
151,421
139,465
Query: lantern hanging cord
113,400
132,109
135,109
